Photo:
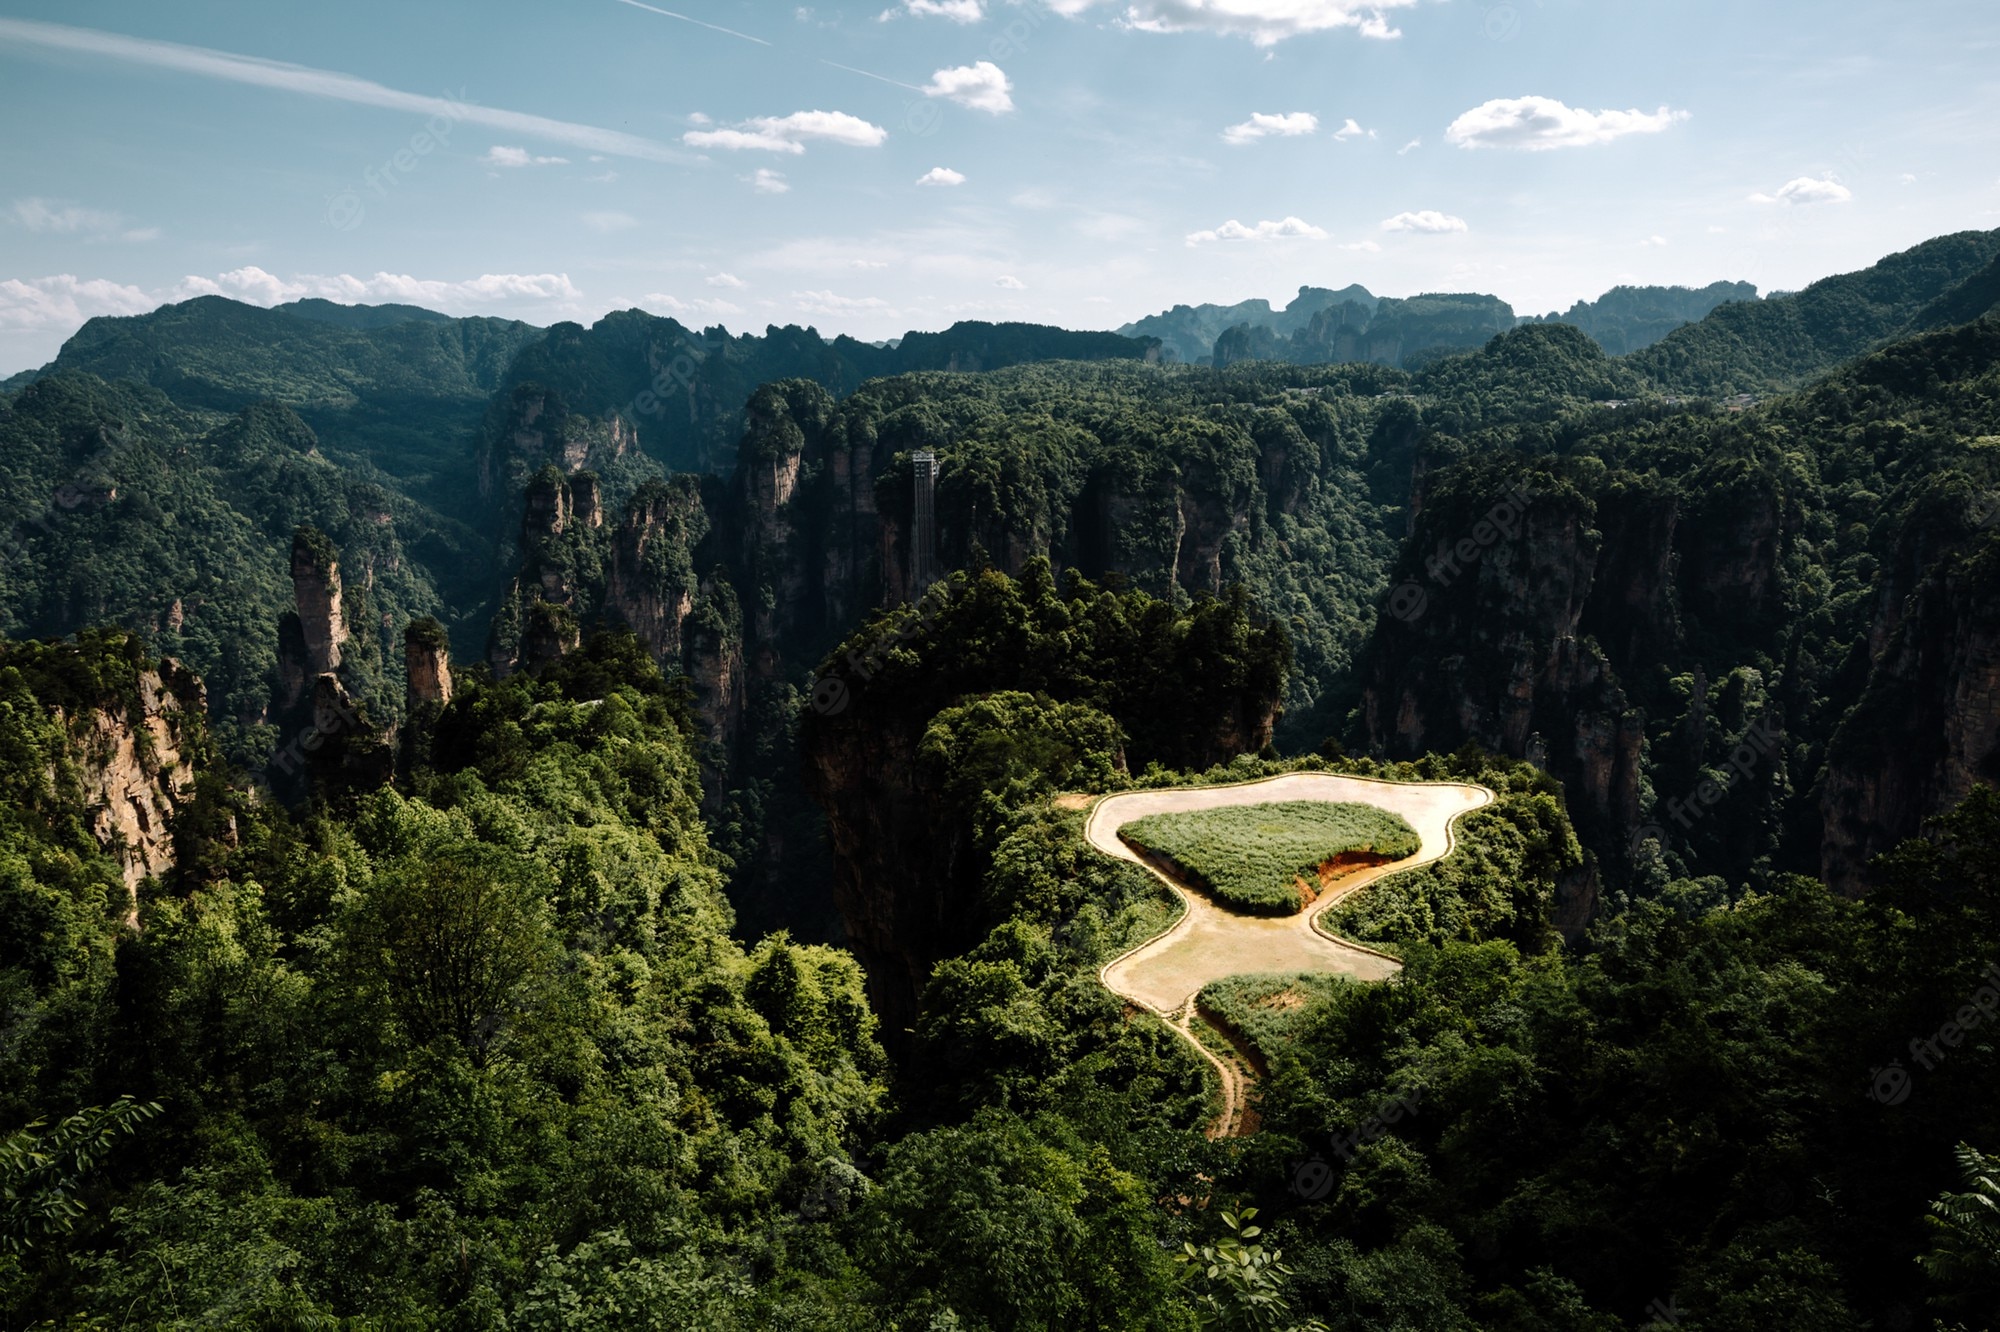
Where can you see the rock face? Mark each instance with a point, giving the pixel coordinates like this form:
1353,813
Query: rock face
426,665
316,584
1484,641
136,768
1928,725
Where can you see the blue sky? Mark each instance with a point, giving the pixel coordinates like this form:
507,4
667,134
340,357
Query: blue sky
902,164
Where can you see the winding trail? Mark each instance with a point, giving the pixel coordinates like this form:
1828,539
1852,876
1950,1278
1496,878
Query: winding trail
1211,941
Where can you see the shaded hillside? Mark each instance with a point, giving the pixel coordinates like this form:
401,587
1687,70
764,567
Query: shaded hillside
1753,640
1781,341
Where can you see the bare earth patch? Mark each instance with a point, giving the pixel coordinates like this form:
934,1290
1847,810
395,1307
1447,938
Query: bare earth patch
1211,941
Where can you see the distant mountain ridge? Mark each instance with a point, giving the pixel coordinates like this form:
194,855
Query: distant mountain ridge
1411,331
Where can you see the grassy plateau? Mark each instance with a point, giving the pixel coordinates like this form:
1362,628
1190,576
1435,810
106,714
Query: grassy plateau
1267,858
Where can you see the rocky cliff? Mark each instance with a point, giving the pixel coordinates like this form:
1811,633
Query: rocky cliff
1928,724
135,763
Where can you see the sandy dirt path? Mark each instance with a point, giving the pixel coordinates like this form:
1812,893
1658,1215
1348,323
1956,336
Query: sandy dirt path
1211,941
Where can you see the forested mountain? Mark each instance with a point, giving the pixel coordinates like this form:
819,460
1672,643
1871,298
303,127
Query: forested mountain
411,947
1626,319
1352,324
1751,347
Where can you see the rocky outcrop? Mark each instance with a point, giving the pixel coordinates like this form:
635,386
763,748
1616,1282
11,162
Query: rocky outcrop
426,666
1927,727
316,585
136,766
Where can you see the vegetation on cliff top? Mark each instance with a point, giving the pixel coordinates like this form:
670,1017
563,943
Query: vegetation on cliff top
1267,858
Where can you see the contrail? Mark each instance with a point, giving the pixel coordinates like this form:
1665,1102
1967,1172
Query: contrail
862,72
712,27
301,79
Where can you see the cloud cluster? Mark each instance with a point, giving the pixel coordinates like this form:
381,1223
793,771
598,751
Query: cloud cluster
1429,221
1263,125
500,155
825,302
1290,228
257,287
982,85
61,217
66,301
941,176
1807,190
660,302
1264,22
789,134
958,11
1537,124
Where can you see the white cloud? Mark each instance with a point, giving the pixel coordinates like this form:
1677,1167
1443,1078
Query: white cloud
825,302
1534,124
1265,22
786,134
983,86
1807,190
658,301
445,112
1907,178
958,11
1412,144
1364,247
941,176
1429,221
1232,230
1654,240
257,287
1351,130
63,218
500,155
604,223
1010,282
868,264
726,280
1265,124
767,181
65,301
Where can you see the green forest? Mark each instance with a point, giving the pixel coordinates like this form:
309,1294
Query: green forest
477,852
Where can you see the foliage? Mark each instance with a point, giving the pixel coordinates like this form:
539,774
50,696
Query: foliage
1964,1257
43,1168
1267,858
1241,1283
1269,1009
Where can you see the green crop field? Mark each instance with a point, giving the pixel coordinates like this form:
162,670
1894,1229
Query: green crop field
1269,1009
1262,857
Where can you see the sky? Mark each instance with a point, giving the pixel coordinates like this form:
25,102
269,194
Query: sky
874,168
